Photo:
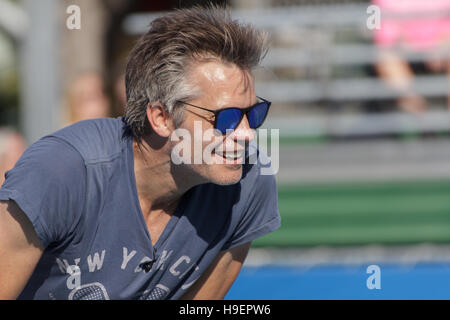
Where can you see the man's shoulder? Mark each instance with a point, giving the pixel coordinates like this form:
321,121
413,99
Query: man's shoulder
97,140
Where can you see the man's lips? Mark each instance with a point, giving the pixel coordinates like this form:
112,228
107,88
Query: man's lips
231,155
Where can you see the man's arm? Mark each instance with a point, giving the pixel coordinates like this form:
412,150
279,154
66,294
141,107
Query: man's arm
398,74
218,278
20,250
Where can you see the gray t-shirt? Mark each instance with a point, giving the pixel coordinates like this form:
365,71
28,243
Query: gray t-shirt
77,187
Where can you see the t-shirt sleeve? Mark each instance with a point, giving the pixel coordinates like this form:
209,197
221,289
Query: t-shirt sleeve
48,184
260,215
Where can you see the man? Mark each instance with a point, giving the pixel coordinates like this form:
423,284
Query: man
100,210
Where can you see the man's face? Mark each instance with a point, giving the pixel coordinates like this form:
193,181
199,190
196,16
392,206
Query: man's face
221,86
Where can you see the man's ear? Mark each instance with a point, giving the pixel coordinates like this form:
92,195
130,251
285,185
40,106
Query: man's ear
159,119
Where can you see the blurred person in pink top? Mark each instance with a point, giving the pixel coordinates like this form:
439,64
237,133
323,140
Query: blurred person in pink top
417,26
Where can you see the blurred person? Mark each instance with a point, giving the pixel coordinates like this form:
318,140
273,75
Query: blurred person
416,26
87,98
12,145
120,93
99,210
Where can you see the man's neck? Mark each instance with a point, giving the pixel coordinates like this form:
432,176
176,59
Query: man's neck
158,188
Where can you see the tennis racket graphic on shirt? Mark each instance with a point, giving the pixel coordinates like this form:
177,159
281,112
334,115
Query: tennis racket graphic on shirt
90,291
159,292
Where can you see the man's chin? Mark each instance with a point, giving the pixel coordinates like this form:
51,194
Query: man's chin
227,176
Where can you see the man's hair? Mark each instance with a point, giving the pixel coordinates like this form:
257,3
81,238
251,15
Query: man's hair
159,63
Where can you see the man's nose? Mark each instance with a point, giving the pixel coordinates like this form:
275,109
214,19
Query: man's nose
243,132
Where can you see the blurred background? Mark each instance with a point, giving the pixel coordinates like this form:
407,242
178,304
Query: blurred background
361,98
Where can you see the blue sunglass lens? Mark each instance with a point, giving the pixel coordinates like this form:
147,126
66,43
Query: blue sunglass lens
257,115
228,119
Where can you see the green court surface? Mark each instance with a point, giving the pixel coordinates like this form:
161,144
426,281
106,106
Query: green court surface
362,213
